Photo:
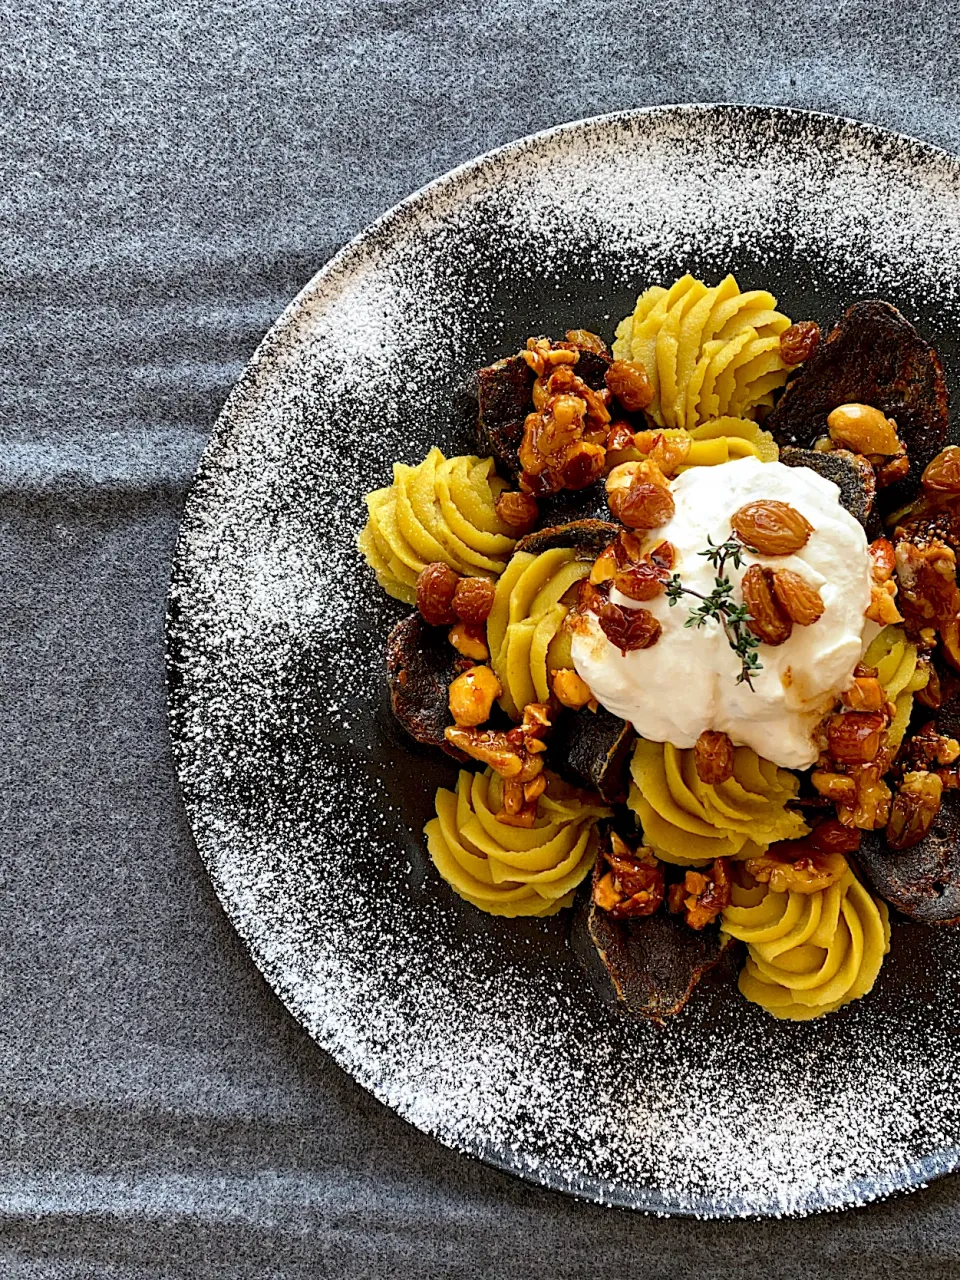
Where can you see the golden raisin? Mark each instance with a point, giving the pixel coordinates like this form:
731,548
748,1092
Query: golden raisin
772,528
628,629
473,600
831,836
472,695
642,504
801,602
767,621
854,737
915,805
517,510
713,757
799,342
582,465
587,341
942,475
630,383
893,471
669,452
436,586
835,786
863,429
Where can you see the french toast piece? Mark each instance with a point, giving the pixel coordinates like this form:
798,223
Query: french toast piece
922,882
852,475
587,536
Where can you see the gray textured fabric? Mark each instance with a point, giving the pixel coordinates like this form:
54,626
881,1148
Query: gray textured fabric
171,175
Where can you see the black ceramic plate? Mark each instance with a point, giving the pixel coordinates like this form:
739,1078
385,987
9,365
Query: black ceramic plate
308,803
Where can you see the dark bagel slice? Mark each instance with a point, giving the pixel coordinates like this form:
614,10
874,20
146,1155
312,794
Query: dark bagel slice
587,536
421,665
873,355
848,472
647,966
923,882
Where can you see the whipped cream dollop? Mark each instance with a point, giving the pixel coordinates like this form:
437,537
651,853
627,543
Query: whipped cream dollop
687,681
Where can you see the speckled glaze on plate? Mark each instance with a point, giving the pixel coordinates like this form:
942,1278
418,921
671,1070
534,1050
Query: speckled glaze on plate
307,802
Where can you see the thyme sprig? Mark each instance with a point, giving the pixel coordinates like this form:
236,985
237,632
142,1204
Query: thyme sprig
720,604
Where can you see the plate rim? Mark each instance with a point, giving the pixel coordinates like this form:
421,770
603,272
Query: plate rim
649,1201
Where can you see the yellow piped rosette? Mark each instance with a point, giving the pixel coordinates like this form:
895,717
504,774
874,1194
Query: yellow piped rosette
808,953
525,632
709,352
895,658
507,870
442,510
689,822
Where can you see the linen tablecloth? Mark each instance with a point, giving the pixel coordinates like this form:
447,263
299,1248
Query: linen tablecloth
171,175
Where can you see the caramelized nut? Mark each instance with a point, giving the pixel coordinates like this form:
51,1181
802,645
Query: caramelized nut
799,342
473,600
767,620
706,894
587,341
866,693
517,510
469,641
472,695
892,472
771,528
570,689
854,737
882,559
883,606
835,786
668,452
800,869
713,757
863,429
604,567
942,475
801,602
634,886
639,496
630,383
436,586
915,805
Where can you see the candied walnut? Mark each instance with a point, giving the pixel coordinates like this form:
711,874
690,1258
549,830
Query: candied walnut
511,759
628,629
928,748
854,736
882,559
801,603
472,696
473,600
864,429
630,383
799,342
883,604
470,641
633,886
520,801
713,757
866,693
892,472
800,869
570,689
916,803
835,786
703,895
927,573
620,437
767,620
871,806
668,452
771,528
942,475
517,510
436,586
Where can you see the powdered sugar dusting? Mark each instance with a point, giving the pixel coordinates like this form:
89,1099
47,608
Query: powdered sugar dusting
306,803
